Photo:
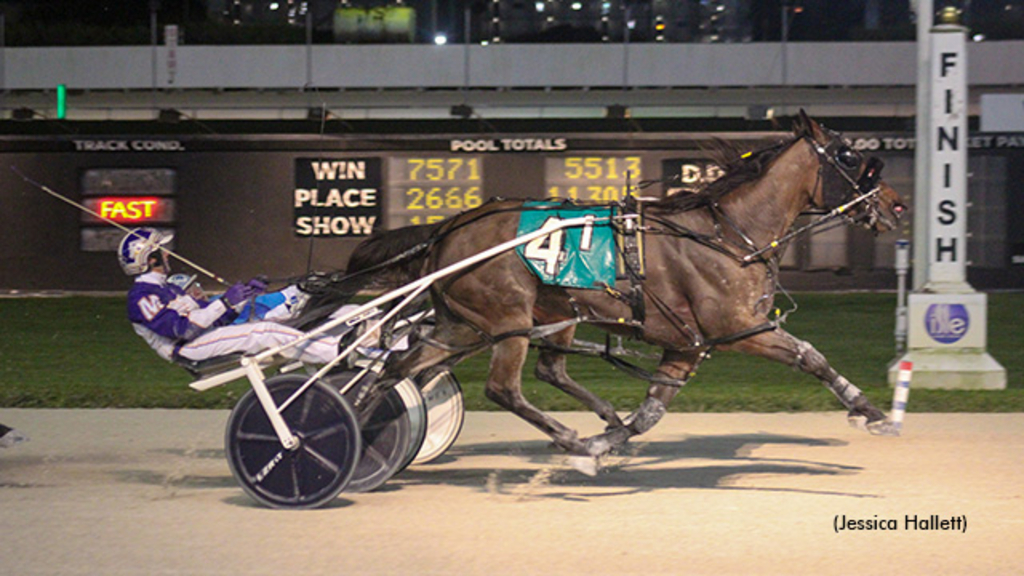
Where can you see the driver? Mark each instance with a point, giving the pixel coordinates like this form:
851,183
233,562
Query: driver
193,327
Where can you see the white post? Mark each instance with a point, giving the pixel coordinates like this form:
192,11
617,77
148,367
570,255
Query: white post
925,13
946,203
947,323
902,267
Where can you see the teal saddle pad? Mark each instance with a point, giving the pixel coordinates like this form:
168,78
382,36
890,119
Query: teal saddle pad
576,257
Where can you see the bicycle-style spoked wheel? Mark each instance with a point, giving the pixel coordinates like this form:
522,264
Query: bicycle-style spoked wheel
309,475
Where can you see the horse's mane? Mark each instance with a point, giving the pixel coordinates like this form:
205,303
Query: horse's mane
739,168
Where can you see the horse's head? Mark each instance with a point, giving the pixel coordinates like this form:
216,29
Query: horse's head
847,179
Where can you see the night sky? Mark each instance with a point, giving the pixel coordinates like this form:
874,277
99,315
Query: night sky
815,19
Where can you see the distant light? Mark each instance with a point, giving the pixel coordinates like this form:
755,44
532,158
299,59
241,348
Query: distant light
577,5
62,101
539,6
274,6
440,40
631,24
978,37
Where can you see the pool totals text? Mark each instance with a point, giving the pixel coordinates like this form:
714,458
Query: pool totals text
336,197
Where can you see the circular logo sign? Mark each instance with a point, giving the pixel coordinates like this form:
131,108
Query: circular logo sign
946,323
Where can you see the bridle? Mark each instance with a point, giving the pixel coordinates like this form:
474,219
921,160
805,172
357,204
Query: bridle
841,188
842,185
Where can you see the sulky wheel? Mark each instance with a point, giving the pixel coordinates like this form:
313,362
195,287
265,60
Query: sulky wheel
309,475
416,407
445,414
385,428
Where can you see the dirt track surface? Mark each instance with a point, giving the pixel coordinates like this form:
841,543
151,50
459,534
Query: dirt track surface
126,492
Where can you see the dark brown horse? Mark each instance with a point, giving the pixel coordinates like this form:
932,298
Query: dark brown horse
711,274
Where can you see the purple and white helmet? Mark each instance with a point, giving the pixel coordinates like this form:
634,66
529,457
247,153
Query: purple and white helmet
136,247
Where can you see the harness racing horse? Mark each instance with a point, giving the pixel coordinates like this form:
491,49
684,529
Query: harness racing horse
711,273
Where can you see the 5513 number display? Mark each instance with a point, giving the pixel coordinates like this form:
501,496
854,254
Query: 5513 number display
591,178
428,189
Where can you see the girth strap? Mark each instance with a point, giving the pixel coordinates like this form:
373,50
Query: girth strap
743,334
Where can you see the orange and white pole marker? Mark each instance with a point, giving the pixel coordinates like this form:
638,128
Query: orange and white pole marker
900,395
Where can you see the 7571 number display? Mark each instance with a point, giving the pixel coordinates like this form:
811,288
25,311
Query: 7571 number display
423,190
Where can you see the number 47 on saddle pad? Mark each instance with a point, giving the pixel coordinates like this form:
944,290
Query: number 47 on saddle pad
580,257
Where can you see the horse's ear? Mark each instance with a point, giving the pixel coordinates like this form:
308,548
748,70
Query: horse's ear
802,125
805,126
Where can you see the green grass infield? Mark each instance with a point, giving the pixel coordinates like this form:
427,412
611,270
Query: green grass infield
81,352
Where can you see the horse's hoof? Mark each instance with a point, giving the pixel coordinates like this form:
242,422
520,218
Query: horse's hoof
602,444
883,428
584,464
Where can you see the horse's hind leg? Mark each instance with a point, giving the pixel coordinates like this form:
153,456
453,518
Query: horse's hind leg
676,367
551,369
783,347
504,387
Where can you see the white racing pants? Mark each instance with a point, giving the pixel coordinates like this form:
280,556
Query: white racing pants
255,337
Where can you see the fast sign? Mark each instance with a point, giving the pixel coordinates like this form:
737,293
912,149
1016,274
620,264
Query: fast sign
130,197
140,210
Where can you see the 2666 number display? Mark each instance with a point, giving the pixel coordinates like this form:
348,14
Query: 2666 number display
424,190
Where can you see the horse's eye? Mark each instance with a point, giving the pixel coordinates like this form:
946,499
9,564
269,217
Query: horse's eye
847,158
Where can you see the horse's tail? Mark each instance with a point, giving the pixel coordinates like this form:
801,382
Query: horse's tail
392,258
384,261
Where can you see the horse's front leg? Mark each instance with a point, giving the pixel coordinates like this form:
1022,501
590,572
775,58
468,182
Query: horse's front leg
504,387
782,346
676,367
551,369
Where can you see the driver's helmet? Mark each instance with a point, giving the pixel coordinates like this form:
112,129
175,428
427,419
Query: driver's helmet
136,247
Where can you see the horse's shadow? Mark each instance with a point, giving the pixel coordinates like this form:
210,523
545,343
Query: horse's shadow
542,471
639,467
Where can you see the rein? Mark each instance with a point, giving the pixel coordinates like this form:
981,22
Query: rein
834,213
864,190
